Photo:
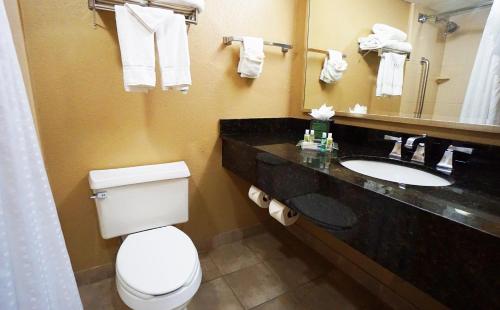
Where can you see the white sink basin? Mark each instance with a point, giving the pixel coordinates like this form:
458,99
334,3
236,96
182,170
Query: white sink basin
394,173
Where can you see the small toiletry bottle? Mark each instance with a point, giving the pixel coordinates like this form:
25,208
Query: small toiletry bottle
323,141
311,136
329,142
307,136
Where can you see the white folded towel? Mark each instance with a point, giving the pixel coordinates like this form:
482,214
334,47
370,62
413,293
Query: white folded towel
173,51
385,36
405,47
251,57
197,4
333,67
371,42
390,75
135,26
375,41
390,33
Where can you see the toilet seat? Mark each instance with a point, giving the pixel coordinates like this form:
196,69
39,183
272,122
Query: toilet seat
176,300
156,262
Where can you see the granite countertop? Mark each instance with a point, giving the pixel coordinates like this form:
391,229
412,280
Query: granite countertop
467,201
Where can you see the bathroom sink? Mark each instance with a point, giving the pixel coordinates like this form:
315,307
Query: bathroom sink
394,172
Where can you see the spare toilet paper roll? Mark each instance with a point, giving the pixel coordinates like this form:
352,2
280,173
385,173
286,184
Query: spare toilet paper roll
282,213
259,197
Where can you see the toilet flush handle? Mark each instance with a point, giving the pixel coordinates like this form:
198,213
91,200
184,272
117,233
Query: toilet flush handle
99,195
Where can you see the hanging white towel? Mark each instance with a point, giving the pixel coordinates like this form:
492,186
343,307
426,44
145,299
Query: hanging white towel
333,67
399,61
390,75
173,51
251,57
136,26
197,4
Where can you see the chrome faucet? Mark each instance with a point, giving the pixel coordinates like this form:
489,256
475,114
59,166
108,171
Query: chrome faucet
419,155
396,150
446,163
410,143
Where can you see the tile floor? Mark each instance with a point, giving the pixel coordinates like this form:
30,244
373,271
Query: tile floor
267,271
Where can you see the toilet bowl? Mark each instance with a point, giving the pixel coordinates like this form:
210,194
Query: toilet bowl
157,269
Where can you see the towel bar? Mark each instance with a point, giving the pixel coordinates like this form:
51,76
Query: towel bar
284,47
382,50
191,14
317,50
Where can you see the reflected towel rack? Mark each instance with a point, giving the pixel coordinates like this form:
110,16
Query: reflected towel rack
284,47
382,50
319,51
190,13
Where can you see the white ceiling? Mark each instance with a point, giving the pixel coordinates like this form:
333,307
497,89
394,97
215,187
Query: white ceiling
447,5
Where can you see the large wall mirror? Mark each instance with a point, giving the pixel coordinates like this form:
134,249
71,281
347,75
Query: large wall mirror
451,70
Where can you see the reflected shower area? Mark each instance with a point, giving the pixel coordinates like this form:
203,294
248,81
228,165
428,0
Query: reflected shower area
446,36
452,68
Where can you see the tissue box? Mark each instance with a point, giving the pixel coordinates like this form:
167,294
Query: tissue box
319,127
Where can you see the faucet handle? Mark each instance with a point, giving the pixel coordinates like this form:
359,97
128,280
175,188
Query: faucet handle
392,138
446,163
411,141
461,149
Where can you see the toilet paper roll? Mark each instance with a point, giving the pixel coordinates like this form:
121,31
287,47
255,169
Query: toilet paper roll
282,213
259,197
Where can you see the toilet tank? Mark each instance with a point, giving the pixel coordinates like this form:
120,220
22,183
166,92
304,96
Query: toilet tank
134,199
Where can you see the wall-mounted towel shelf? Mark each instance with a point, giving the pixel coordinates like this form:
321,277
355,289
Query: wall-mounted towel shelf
316,50
284,47
191,14
382,50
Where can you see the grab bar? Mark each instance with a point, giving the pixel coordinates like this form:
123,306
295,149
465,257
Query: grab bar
422,88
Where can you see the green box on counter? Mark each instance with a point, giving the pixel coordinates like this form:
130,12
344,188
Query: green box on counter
319,127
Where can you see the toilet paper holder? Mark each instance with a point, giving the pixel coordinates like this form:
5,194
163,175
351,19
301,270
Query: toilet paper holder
259,197
291,213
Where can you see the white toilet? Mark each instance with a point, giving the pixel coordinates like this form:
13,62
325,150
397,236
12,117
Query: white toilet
157,266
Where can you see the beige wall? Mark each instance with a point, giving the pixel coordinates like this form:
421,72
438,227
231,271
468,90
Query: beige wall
337,24
87,121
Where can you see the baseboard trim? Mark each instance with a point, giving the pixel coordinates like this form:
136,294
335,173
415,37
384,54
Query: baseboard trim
228,237
95,274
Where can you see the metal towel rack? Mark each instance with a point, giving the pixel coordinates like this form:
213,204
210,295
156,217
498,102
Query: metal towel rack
319,51
190,13
284,47
382,50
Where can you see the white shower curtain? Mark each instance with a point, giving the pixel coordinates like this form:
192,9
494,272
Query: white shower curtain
482,99
35,271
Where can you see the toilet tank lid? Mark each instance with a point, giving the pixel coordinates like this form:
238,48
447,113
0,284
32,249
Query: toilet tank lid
100,179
